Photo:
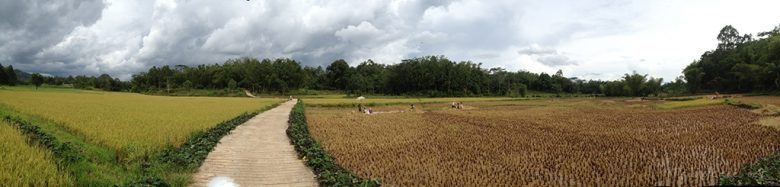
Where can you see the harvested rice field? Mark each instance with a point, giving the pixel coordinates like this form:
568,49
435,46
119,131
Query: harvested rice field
569,142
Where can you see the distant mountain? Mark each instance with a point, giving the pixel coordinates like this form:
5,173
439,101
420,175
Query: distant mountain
22,76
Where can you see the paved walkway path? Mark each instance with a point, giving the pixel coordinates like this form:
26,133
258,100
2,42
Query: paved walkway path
258,153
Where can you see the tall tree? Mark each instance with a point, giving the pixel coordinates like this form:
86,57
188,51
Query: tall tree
729,38
10,73
369,77
232,85
694,77
338,74
289,74
314,78
3,77
635,83
36,79
653,86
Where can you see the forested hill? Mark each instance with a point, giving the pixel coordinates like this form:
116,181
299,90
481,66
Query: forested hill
740,63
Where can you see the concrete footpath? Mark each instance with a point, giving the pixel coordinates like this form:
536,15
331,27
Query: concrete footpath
258,153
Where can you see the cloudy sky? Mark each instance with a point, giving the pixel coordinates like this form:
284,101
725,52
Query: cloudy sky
592,39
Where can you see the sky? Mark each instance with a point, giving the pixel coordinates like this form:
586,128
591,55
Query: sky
588,39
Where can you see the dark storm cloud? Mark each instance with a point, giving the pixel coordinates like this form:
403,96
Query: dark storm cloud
134,35
29,26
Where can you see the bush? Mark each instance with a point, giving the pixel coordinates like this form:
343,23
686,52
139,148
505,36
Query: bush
328,172
764,172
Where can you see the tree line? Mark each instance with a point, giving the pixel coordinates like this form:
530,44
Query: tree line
433,76
11,77
424,76
278,75
740,63
8,75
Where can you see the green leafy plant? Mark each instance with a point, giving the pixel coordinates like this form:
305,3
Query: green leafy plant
763,172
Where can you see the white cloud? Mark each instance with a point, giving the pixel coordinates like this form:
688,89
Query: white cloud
363,32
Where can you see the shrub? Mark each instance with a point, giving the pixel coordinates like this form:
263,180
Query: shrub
763,172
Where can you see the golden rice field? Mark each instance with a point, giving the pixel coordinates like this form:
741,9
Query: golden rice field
23,165
133,124
544,143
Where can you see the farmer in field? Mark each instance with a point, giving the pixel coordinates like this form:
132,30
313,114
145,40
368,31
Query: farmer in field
412,106
452,105
360,107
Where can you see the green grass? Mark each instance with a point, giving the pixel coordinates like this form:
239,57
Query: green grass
689,103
